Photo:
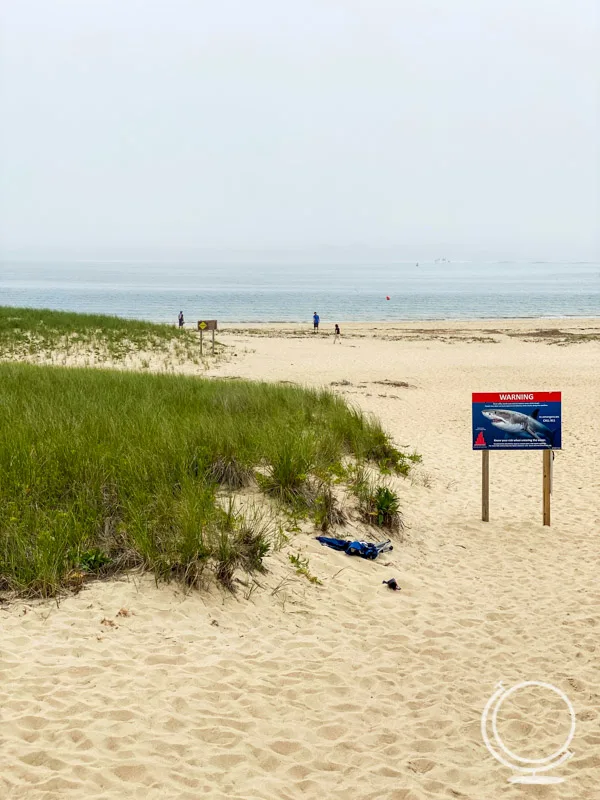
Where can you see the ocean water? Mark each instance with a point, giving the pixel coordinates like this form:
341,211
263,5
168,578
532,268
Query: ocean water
291,293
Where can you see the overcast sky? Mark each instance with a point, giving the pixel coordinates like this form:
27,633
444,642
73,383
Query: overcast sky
457,128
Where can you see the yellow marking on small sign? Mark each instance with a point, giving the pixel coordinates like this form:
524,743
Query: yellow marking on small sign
202,325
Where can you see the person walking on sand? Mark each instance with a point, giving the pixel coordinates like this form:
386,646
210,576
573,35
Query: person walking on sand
315,322
180,319
337,333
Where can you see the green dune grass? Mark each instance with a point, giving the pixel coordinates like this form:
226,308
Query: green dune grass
32,331
101,470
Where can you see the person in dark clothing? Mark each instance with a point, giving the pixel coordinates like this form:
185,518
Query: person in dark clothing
315,322
180,319
337,333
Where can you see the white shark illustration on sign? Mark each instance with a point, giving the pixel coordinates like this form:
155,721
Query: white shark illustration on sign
516,422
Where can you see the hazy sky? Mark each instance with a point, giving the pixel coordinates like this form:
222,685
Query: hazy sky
458,128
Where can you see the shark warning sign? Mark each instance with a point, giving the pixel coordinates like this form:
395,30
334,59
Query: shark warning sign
517,421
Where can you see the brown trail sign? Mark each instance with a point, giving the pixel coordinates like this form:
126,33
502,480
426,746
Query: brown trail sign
207,325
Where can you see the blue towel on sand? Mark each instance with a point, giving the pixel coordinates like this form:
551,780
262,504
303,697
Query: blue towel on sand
362,549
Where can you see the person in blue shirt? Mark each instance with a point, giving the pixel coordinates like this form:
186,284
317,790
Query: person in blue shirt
315,322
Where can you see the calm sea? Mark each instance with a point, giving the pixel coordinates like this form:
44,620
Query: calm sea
290,293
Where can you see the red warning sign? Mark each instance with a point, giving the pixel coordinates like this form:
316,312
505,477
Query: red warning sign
480,440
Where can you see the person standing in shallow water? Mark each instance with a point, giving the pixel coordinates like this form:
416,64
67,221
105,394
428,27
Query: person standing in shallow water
180,318
337,333
315,322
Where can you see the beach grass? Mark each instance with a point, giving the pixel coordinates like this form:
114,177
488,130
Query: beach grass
102,471
42,333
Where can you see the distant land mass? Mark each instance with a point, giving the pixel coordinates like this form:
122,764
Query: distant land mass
327,254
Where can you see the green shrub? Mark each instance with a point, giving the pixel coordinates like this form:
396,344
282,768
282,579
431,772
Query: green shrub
93,560
387,508
378,505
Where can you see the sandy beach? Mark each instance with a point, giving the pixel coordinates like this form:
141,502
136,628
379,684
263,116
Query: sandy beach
347,690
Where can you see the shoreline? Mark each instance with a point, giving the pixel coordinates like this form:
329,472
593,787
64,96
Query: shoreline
411,323
307,321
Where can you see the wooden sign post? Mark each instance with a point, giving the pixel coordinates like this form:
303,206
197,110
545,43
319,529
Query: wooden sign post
485,485
207,325
547,485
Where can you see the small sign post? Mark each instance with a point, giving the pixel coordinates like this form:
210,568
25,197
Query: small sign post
485,485
547,483
207,325
517,421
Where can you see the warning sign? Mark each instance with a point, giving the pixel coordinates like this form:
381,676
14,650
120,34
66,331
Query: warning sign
517,421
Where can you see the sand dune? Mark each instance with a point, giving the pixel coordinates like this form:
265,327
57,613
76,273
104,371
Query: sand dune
344,690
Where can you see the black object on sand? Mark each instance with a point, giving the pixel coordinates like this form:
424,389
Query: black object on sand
392,584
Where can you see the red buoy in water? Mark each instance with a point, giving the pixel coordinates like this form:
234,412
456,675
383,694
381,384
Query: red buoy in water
387,297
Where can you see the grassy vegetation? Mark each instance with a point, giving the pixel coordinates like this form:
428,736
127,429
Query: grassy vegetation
32,332
302,566
327,508
556,336
102,471
378,504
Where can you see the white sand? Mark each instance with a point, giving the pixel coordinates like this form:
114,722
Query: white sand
345,690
